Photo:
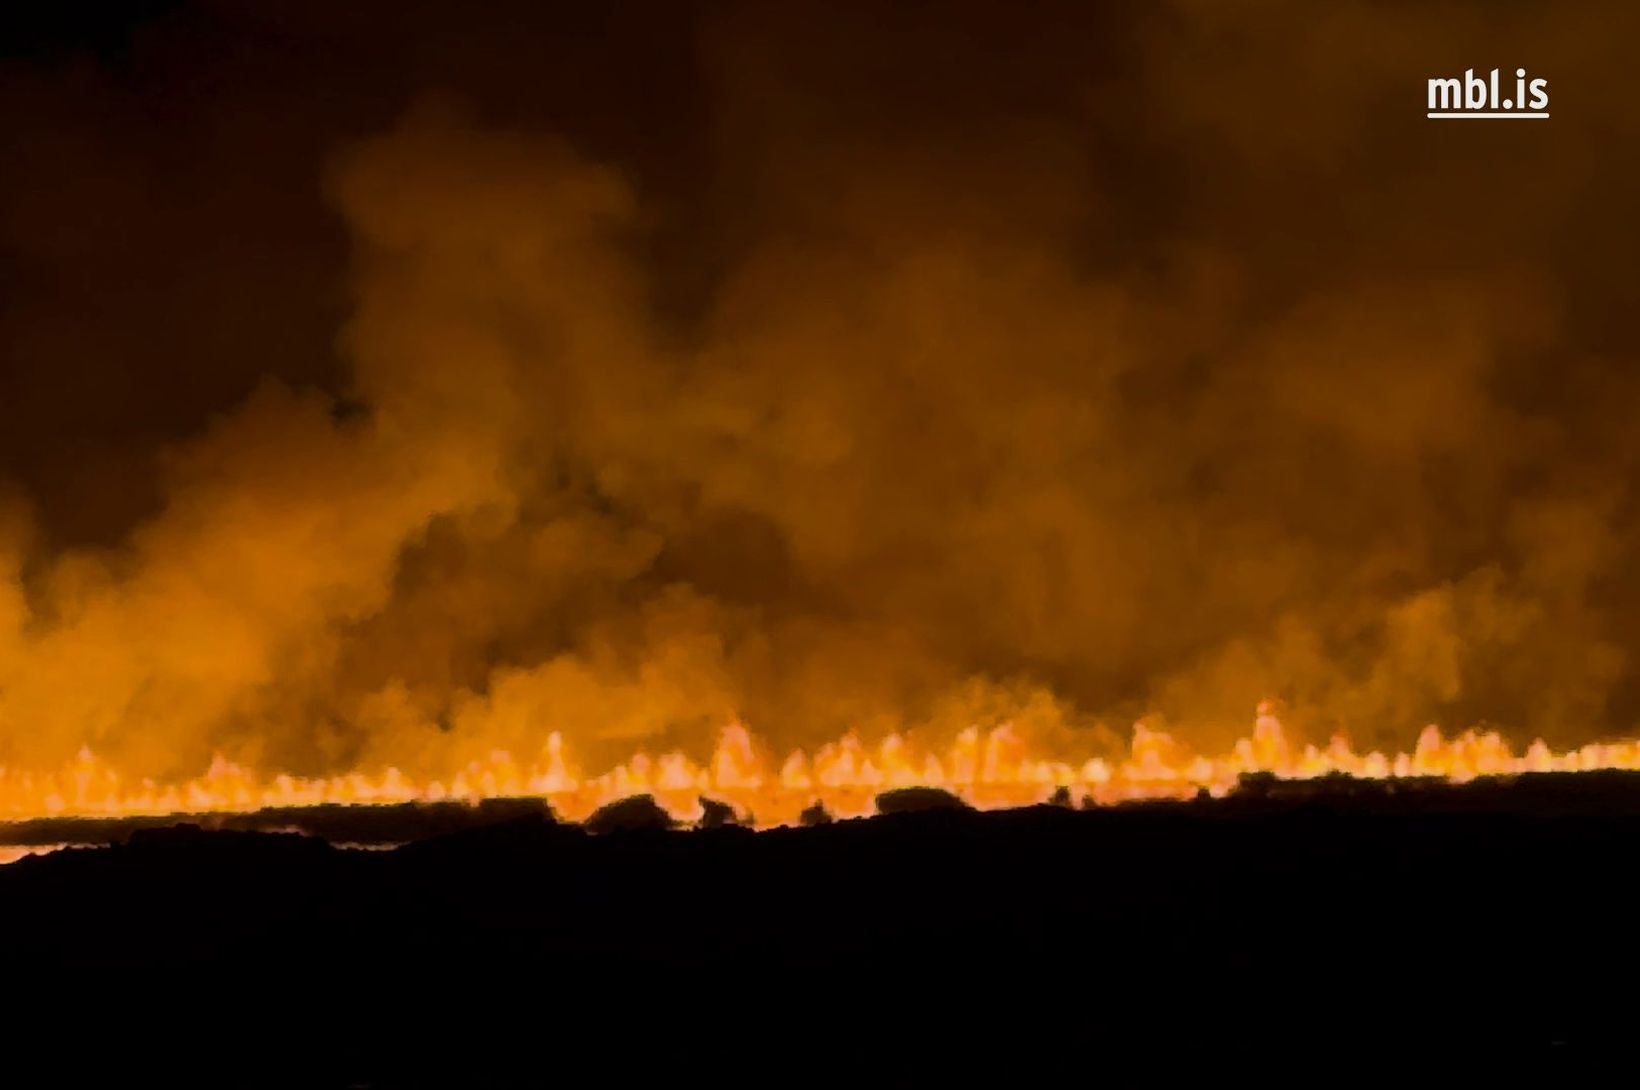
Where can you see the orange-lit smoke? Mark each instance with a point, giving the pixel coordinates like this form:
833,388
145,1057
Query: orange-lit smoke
946,449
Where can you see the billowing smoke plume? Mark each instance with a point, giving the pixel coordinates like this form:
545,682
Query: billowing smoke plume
1055,368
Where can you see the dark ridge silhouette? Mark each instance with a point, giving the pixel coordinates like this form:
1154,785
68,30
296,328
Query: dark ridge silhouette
375,825
1263,931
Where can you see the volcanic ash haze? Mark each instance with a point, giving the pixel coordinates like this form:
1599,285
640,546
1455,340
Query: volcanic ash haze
1027,374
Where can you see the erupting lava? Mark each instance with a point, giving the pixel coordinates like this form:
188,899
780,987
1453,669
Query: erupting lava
987,769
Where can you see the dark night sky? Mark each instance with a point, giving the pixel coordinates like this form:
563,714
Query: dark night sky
1151,356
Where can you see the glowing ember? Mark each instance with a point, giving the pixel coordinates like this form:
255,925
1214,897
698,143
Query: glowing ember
988,769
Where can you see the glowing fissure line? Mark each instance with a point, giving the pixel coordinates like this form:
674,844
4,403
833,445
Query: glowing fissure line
989,769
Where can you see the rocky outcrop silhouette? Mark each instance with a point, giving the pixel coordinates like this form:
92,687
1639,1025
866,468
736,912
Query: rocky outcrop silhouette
716,815
908,800
815,814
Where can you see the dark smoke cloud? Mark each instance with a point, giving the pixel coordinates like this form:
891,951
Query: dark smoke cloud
383,386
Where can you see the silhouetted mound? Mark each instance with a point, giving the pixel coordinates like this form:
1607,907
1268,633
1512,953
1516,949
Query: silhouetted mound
520,836
1061,796
638,813
816,814
910,800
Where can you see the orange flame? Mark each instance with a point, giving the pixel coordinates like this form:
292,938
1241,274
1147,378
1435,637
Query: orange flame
987,769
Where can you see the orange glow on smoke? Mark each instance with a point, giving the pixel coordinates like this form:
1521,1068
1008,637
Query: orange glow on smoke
987,769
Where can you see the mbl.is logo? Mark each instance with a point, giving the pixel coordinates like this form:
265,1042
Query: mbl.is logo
1474,96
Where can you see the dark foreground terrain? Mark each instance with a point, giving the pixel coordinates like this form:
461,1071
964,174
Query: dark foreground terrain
1334,934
